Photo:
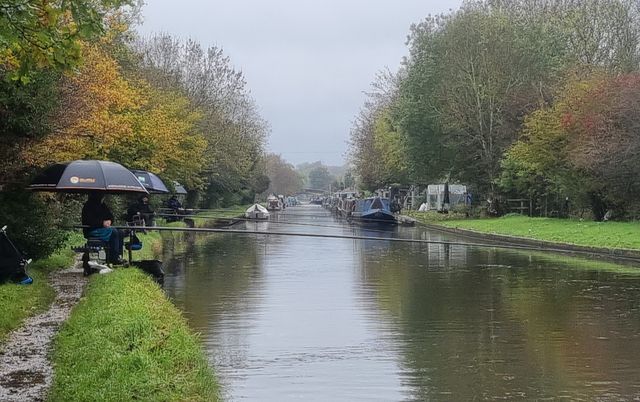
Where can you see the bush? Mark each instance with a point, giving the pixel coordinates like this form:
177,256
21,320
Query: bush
34,221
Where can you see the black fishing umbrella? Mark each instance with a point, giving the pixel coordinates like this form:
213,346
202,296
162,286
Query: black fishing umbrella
180,190
87,175
151,182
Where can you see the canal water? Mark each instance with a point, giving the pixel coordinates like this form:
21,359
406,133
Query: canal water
300,318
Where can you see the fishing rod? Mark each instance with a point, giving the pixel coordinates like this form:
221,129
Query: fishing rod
273,221
208,209
365,221
170,212
507,246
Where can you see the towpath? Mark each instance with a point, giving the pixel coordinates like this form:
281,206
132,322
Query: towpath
25,370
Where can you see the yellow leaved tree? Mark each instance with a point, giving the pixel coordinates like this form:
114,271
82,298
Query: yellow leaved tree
104,116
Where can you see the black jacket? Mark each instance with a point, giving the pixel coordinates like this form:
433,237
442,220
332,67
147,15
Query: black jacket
93,214
138,208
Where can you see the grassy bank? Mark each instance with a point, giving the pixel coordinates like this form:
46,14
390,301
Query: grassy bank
204,218
231,212
616,235
127,341
18,302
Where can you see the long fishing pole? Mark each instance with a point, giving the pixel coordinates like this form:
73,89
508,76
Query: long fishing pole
241,219
372,238
270,221
211,209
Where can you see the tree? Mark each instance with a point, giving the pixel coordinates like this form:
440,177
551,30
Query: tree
104,116
537,166
585,146
377,149
39,34
390,145
320,178
230,122
95,112
283,178
602,128
592,34
471,77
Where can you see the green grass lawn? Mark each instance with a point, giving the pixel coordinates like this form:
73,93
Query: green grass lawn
621,235
18,302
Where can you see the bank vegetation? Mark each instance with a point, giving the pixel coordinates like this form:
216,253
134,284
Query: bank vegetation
78,82
525,99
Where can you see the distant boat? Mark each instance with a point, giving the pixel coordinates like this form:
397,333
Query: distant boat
256,211
373,210
274,203
345,203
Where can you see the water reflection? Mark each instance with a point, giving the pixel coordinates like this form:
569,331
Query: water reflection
488,323
325,319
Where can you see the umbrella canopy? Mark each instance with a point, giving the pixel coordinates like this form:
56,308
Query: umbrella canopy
151,182
180,190
85,176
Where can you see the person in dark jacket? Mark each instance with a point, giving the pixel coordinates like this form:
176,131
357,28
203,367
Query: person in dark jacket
141,209
176,208
98,217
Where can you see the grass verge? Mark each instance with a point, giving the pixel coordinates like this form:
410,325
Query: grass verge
18,302
614,235
126,341
204,219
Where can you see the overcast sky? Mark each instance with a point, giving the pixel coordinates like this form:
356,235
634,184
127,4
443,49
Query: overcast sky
307,62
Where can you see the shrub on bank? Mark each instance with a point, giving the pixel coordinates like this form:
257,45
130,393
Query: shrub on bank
126,341
33,221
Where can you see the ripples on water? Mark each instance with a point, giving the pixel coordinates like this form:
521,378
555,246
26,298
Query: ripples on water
297,318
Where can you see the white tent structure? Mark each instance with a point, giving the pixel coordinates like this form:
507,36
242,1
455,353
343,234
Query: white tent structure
436,196
256,211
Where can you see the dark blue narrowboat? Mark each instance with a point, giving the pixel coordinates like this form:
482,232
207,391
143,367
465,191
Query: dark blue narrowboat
373,210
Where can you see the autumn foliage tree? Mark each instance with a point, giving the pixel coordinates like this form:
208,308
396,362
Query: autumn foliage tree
603,129
586,146
39,34
102,115
517,98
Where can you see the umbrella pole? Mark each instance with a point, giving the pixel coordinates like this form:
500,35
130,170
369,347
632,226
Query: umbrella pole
130,243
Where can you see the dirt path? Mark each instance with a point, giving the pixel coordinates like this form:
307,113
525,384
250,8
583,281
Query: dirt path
25,371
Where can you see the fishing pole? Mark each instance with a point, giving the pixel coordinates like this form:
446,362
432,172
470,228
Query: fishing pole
373,238
272,221
241,219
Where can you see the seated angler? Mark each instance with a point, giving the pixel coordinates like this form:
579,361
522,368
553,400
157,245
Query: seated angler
174,203
141,211
97,216
176,209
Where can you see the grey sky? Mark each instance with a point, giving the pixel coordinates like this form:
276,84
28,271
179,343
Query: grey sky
307,62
